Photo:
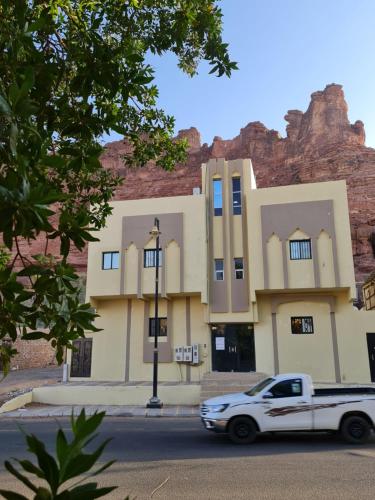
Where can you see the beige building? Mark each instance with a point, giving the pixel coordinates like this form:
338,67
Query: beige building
250,280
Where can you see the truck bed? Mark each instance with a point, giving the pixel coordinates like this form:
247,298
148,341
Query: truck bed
343,391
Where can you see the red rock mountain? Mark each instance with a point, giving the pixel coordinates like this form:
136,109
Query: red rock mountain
321,145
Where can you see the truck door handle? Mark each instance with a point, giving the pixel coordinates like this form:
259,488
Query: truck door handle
300,402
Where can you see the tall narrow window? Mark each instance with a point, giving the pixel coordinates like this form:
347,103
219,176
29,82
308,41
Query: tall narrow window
218,196
110,260
300,249
238,268
149,259
219,269
236,193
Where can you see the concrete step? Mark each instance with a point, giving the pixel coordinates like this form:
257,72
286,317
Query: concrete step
232,375
218,383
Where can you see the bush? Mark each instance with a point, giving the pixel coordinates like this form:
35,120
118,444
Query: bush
70,462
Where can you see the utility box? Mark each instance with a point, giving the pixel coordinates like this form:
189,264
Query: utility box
196,354
179,354
188,353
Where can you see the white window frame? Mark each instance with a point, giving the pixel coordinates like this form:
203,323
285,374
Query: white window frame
218,272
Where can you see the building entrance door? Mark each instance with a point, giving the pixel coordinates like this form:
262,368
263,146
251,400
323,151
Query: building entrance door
371,354
233,347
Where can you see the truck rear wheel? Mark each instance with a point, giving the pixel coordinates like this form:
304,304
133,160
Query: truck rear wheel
355,430
242,430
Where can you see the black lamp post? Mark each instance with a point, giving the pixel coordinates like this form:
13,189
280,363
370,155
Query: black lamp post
155,402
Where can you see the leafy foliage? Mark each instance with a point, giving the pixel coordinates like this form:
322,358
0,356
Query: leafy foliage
71,462
71,71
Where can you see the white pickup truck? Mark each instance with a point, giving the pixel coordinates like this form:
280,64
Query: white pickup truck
289,402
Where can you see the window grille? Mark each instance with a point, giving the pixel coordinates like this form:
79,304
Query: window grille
150,258
302,324
162,327
238,268
300,249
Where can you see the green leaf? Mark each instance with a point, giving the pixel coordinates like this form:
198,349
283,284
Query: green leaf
13,138
61,447
4,106
45,461
30,467
12,495
35,336
86,492
20,476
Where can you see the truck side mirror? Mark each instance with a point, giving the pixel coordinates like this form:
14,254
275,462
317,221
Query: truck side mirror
267,395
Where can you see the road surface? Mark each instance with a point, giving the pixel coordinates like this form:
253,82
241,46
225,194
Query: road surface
186,462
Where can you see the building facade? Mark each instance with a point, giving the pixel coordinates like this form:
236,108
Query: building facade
250,280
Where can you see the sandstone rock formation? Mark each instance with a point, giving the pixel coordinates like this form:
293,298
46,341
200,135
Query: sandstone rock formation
320,145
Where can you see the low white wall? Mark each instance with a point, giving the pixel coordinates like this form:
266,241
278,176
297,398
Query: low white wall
17,402
115,395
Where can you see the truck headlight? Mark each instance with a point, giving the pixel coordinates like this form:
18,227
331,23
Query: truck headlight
216,408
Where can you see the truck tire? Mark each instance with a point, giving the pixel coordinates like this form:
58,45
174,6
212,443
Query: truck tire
356,430
242,430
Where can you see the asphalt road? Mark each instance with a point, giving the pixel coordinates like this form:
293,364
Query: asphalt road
188,462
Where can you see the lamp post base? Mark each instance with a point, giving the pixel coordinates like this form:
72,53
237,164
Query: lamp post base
154,402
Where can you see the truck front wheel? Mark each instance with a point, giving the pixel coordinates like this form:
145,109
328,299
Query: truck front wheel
242,430
355,430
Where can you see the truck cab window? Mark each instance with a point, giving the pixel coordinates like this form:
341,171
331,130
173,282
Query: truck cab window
287,389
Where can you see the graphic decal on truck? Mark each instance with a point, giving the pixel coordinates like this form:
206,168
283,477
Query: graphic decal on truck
287,410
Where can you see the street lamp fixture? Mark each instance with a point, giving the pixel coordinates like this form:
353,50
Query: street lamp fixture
154,401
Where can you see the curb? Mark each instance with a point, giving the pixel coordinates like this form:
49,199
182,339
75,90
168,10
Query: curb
66,411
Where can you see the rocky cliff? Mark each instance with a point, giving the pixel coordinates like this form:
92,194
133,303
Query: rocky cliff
320,145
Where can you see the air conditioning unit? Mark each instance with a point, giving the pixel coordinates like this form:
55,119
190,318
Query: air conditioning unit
179,354
196,190
196,354
188,353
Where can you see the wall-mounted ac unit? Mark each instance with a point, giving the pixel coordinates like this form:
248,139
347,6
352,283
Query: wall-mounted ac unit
188,353
179,354
197,354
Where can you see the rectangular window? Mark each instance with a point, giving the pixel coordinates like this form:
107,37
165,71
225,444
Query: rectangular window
236,192
110,260
162,327
219,269
149,259
302,324
300,249
238,268
218,197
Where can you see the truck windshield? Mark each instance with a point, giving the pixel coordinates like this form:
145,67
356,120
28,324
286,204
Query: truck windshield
259,387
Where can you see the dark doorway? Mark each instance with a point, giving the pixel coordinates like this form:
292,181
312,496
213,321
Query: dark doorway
81,358
233,348
371,354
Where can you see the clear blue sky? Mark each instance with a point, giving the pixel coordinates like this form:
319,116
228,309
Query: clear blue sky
286,49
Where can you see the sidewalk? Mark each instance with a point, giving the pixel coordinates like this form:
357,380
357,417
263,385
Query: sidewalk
20,381
42,411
